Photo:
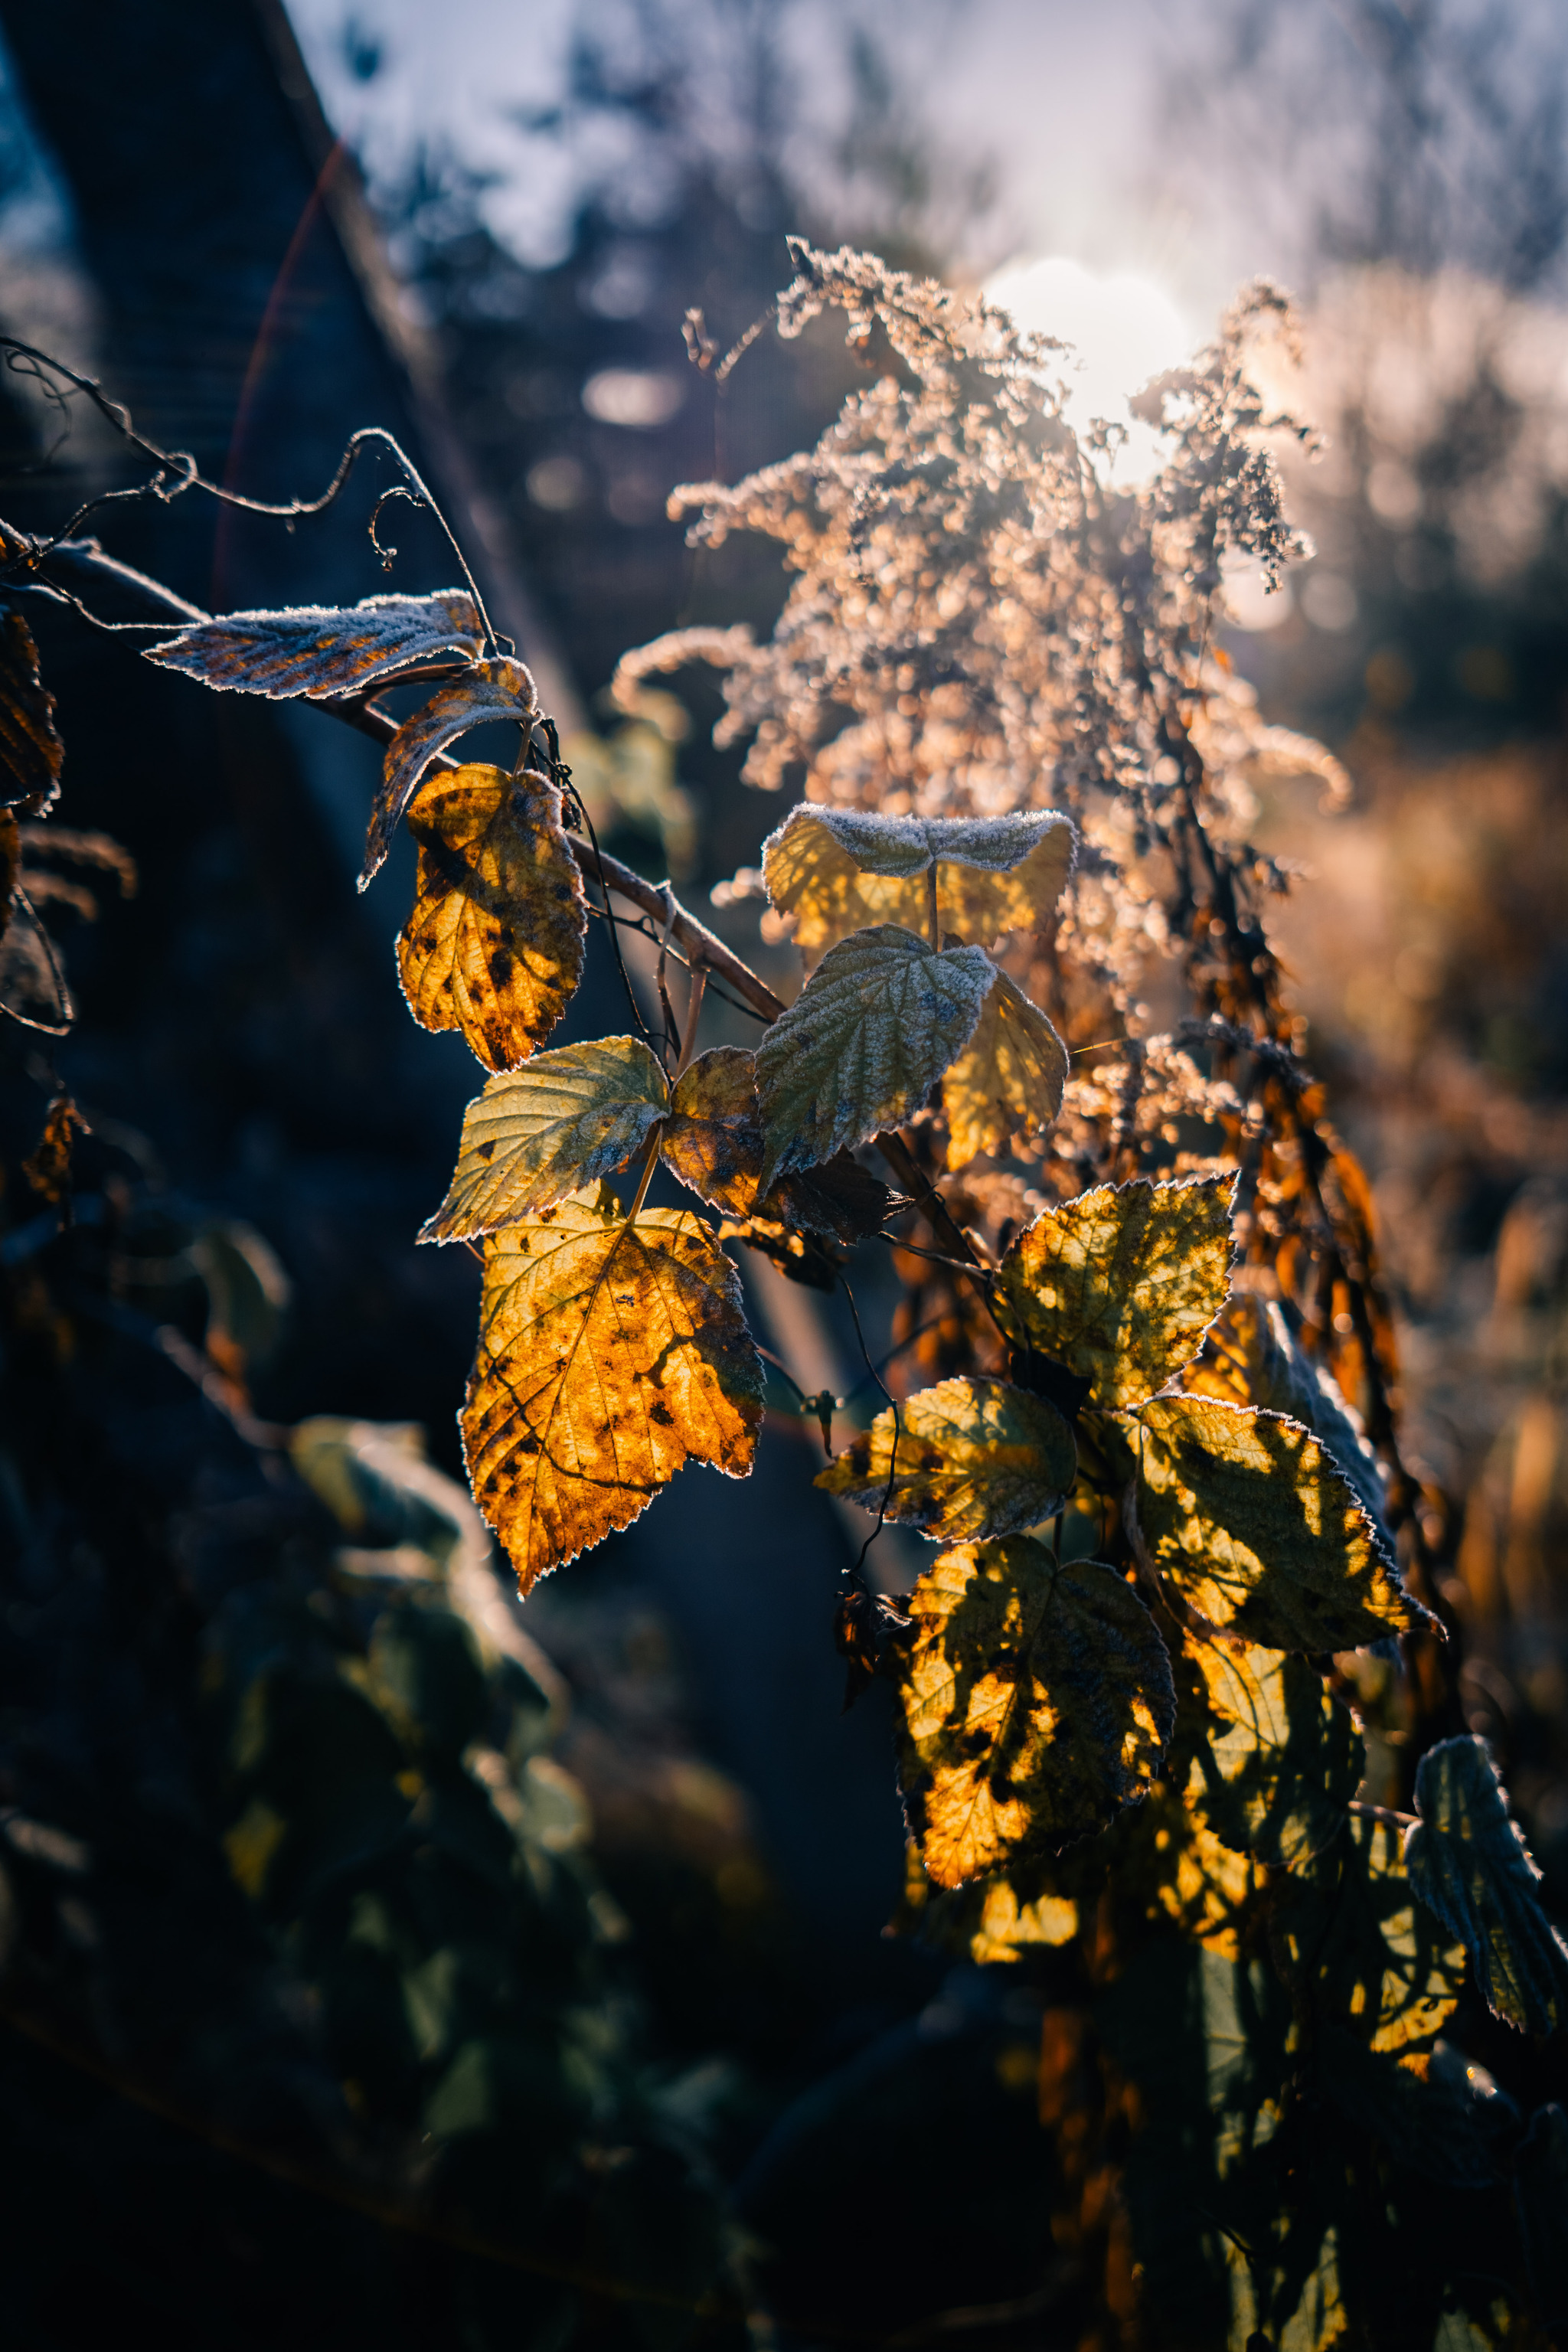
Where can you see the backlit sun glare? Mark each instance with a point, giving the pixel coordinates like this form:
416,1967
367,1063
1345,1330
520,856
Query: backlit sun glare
1125,328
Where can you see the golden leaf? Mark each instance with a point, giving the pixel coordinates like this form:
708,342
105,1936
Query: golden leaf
1007,1080
1258,1530
610,1355
554,1127
1036,1700
486,691
494,945
316,650
713,1141
1185,1873
1251,1356
839,870
1354,1931
31,752
864,1042
993,1919
1283,1761
1121,1285
48,1168
973,1458
714,1138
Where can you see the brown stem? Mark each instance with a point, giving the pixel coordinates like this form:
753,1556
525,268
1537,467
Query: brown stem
693,1011
915,1180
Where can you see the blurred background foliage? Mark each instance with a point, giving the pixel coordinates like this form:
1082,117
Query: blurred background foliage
378,1961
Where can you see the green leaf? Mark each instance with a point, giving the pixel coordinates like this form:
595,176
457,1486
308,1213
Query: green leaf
1351,1932
489,691
1036,1701
1468,1861
1256,1531
840,869
1121,1285
554,1127
323,649
862,1045
1281,1772
973,1458
1007,1081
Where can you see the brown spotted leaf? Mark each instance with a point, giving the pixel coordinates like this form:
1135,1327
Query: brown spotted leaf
322,650
967,1458
875,1026
490,690
31,752
838,870
555,1126
48,1168
610,1355
494,945
1252,1522
1036,1701
713,1141
1119,1286
1007,1081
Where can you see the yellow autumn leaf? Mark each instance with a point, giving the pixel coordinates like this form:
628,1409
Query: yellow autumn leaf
1251,1356
992,1920
1036,1700
838,870
494,945
713,1141
556,1126
1281,1759
610,1355
973,1458
1354,1933
875,1026
1007,1081
1258,1530
487,690
1121,1285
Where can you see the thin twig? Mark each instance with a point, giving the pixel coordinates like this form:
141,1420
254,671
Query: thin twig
898,1433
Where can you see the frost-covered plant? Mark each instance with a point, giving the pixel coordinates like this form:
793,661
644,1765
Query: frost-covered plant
1138,1686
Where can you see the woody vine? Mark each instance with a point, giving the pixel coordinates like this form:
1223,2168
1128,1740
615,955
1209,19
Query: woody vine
1178,1664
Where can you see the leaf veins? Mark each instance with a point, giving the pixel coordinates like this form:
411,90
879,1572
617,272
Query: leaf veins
1468,1863
713,1141
840,869
874,1028
1008,1079
610,1355
490,690
554,1127
1121,1285
322,650
1036,1700
31,752
494,945
1258,1530
975,1458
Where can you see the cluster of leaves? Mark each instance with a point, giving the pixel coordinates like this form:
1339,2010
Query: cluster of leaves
1169,1550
